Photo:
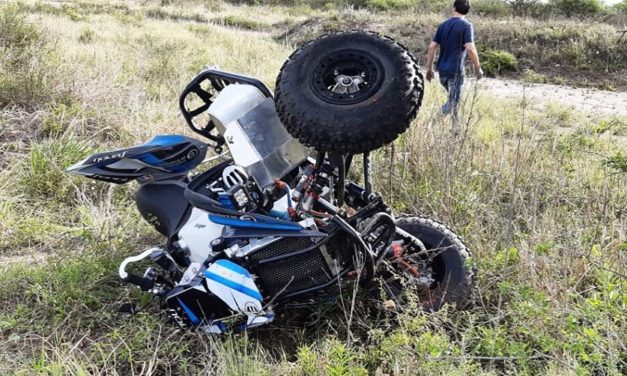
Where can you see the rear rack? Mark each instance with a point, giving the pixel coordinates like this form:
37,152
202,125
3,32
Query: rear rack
218,80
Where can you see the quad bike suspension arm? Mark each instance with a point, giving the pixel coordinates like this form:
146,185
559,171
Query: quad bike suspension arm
410,239
369,266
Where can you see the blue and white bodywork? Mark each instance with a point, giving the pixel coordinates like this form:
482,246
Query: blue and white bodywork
235,286
163,157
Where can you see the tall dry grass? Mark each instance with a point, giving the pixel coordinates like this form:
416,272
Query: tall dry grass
529,186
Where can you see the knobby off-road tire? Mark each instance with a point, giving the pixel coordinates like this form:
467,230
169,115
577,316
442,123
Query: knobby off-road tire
455,278
369,114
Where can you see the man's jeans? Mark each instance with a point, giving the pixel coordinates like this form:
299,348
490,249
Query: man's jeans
453,83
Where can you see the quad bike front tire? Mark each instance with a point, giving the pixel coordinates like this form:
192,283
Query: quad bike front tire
349,92
454,277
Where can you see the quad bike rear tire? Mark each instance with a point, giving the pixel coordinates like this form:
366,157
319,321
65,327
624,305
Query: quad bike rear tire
455,278
349,92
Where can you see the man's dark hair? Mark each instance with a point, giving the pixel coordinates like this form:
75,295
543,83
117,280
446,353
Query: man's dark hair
462,6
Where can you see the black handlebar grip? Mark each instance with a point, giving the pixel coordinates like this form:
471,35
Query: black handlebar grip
143,283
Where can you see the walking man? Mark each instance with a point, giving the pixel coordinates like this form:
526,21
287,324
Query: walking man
455,37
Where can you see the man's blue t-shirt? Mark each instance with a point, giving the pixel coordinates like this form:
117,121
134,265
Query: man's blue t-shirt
452,35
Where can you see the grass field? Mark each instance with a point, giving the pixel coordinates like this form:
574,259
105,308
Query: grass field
536,190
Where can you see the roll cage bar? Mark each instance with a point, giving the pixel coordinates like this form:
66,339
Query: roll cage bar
218,80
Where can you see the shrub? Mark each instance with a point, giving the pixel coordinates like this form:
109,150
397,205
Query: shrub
42,174
177,15
86,36
26,60
73,13
423,6
617,162
577,8
523,7
390,4
534,78
496,8
496,62
131,19
59,118
622,6
242,22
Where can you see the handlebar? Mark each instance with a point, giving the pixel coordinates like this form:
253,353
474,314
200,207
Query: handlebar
143,283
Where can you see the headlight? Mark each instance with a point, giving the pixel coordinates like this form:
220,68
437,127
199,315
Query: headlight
241,198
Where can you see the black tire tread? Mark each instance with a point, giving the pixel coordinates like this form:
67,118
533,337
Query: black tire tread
313,130
467,287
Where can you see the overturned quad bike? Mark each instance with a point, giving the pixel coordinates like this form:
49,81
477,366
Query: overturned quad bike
271,227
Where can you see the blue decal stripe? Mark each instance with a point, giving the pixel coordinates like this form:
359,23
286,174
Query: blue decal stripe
235,222
195,320
165,140
235,286
225,201
233,267
150,159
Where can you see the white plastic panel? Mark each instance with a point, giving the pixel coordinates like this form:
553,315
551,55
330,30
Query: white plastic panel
233,102
198,233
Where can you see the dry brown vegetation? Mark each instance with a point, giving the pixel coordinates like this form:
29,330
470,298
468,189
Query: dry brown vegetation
536,190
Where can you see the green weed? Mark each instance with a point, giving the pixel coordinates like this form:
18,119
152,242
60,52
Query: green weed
617,162
580,8
177,15
496,62
42,175
128,18
242,22
60,115
308,361
73,13
86,36
534,78
27,60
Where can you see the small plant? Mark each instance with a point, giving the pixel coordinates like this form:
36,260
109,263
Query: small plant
26,59
60,115
242,22
341,361
496,62
560,115
392,4
42,174
543,248
131,19
86,36
617,162
308,361
523,7
163,14
73,13
533,77
382,4
491,8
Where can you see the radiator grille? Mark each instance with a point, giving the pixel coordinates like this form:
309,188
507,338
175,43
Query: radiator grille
293,273
281,247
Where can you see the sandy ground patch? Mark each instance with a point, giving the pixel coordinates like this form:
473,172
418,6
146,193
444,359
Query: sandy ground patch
586,100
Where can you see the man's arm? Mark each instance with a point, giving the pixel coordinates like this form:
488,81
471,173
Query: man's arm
430,58
474,58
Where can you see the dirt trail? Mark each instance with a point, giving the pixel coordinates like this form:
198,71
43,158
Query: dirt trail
583,100
32,258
